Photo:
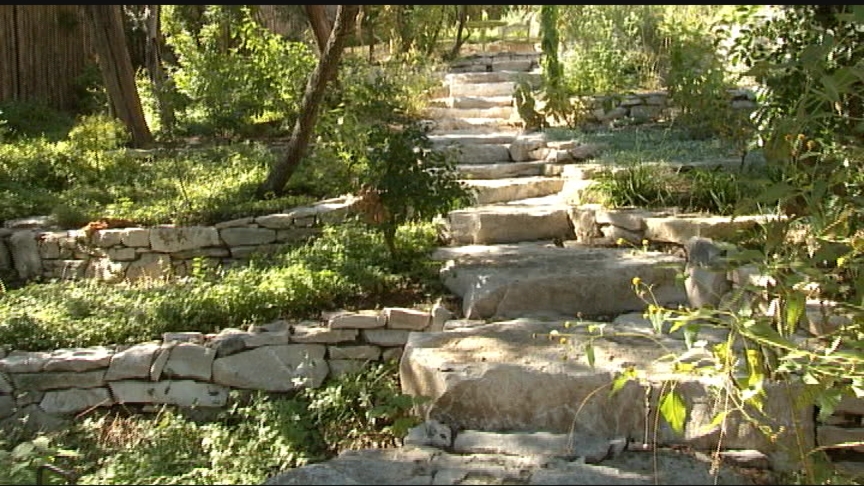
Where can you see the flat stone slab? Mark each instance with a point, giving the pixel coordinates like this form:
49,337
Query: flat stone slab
518,376
477,124
484,153
501,170
509,223
488,191
469,137
499,88
480,101
531,278
431,466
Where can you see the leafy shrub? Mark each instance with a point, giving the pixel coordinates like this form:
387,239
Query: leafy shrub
232,70
33,119
406,180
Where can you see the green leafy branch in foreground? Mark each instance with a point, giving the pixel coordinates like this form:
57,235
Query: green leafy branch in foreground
738,370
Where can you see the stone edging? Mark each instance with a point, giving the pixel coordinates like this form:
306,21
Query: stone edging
191,369
130,254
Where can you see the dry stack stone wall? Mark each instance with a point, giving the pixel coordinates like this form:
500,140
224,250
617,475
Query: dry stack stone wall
130,254
191,369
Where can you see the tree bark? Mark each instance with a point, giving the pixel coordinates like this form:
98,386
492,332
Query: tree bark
153,61
109,40
320,24
462,14
325,71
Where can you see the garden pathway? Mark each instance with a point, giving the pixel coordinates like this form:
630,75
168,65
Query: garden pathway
516,260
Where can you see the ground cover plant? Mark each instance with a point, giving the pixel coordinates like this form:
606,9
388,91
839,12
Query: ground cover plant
255,437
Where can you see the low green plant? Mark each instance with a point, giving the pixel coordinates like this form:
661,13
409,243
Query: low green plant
256,436
346,266
20,461
23,120
406,180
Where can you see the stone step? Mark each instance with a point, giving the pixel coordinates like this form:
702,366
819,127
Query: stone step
481,101
539,278
489,191
534,78
499,112
525,458
441,126
468,137
521,62
517,376
471,102
485,153
501,170
501,88
523,220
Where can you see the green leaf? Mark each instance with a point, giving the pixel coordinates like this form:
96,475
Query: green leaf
674,410
589,353
622,379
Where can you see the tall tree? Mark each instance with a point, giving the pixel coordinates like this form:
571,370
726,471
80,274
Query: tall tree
321,25
109,40
325,71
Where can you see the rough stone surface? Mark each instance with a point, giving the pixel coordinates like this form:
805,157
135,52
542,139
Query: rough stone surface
529,278
170,239
189,360
75,400
410,319
133,362
505,223
184,393
25,254
471,376
273,368
79,359
422,465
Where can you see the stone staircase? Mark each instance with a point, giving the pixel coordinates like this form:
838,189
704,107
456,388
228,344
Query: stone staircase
526,262
538,274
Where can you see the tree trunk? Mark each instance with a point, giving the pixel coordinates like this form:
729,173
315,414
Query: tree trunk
462,12
153,61
325,71
109,40
320,24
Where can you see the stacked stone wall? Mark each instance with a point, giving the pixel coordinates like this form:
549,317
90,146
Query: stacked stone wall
131,254
192,369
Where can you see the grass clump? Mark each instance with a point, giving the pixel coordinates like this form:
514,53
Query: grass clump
346,267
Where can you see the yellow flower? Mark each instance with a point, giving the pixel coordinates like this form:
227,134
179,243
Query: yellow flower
801,136
620,241
563,340
788,137
811,144
645,242
841,261
636,281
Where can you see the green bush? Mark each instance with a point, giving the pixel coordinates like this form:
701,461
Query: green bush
22,120
233,72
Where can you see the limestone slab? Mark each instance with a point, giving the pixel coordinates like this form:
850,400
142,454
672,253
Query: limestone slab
273,368
132,362
512,280
189,360
504,223
488,191
75,400
79,359
184,393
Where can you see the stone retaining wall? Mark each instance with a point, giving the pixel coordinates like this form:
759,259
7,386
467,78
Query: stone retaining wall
652,105
131,254
193,369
